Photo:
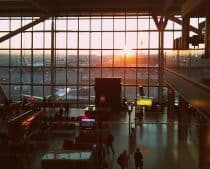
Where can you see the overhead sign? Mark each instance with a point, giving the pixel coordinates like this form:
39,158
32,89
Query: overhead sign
144,102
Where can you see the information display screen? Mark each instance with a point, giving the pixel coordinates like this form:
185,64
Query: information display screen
144,102
87,122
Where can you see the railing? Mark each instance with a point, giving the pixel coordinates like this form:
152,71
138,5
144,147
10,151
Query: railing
190,63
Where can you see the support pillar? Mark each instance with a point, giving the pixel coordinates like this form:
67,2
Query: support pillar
161,24
204,145
170,105
53,60
161,64
207,38
185,32
183,120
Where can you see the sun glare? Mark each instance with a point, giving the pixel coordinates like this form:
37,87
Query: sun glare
128,51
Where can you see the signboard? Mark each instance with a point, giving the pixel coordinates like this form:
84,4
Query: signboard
144,102
87,123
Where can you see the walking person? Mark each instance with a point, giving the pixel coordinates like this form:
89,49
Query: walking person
109,143
138,158
122,160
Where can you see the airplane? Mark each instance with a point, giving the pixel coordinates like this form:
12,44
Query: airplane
60,92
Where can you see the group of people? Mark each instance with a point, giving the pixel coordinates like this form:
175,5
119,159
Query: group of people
123,158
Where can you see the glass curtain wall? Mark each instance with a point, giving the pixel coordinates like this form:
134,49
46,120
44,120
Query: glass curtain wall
191,63
85,47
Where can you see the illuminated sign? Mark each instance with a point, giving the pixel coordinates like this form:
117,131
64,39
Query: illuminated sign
90,123
144,102
88,120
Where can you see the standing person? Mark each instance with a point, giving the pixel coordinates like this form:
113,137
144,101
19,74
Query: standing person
67,111
138,158
122,160
132,141
61,111
109,142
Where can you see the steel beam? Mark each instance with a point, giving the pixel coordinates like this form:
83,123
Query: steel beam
191,28
156,21
185,32
207,38
22,29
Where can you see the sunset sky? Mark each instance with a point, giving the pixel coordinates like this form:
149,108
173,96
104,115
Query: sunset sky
94,33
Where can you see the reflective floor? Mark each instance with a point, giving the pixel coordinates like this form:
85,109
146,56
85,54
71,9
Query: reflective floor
158,142
156,138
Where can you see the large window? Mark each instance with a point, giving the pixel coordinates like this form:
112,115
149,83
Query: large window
84,48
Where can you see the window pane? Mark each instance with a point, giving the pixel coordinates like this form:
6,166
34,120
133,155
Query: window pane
72,40
84,76
119,24
107,24
84,40
95,24
60,40
60,76
107,40
4,75
84,24
96,40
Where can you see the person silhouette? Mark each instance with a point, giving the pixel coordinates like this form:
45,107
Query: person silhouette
138,158
109,142
122,160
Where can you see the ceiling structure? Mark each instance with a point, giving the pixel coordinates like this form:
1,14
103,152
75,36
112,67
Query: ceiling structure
97,7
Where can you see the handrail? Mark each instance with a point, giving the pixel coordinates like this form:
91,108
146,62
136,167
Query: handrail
202,93
189,79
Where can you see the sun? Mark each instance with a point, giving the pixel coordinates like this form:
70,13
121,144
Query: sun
128,51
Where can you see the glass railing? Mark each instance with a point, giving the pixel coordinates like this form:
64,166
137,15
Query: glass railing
190,63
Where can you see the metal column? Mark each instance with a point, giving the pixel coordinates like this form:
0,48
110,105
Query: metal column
204,145
185,32
207,38
53,60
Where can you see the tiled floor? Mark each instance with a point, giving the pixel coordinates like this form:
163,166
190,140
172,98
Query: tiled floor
156,138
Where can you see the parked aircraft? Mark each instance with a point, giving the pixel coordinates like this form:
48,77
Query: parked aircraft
59,93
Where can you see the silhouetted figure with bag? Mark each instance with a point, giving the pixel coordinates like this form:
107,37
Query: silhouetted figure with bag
138,158
122,160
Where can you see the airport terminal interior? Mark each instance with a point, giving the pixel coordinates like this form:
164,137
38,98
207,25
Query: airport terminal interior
82,82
